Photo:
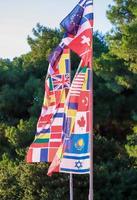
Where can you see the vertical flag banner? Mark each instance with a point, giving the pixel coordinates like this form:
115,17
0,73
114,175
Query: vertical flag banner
74,152
49,127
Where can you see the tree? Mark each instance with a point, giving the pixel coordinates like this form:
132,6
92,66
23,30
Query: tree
115,71
43,42
123,15
123,40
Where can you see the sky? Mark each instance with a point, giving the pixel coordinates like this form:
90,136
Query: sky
19,17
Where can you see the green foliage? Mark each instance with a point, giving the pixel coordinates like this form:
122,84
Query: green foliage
131,145
20,137
115,73
43,42
99,45
19,91
8,181
115,184
123,15
5,147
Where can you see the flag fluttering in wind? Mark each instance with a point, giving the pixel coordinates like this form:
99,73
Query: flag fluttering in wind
81,42
74,153
63,129
49,127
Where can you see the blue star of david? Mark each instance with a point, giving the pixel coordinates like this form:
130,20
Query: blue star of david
78,164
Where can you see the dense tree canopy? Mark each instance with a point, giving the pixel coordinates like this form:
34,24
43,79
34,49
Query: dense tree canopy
115,114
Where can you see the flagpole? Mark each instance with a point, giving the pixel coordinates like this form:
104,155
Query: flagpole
71,175
71,186
91,194
91,141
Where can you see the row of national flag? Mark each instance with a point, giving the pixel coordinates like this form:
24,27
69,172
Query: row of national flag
63,129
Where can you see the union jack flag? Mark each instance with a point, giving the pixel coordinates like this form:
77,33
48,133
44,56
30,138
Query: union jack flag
61,81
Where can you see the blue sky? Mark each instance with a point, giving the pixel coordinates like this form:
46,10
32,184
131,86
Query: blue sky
17,18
